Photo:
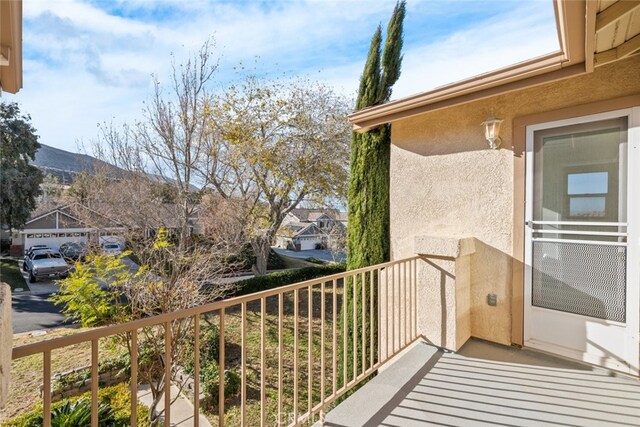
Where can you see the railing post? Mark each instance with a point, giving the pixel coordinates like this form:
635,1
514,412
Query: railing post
280,355
334,345
310,349
221,371
322,355
46,383
133,381
263,361
167,374
243,366
196,370
94,383
296,298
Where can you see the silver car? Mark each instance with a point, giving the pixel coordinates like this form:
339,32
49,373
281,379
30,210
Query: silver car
45,264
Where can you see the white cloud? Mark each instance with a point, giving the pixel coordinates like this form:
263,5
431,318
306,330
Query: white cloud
478,47
84,64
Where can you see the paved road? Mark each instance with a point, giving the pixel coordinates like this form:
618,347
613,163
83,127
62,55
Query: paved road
33,312
324,254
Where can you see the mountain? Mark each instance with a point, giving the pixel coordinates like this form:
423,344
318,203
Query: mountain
65,165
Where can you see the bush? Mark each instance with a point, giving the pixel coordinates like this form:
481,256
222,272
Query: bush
246,258
210,377
114,410
282,278
209,347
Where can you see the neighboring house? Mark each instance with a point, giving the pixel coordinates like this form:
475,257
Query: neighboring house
306,229
536,242
78,223
64,224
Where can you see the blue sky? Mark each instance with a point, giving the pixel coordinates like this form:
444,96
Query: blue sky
87,61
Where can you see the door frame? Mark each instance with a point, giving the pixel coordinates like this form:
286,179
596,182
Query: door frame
632,328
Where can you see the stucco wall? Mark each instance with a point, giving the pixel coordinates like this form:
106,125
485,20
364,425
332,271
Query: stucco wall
446,182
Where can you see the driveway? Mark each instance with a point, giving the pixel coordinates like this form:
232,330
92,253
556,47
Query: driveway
33,312
41,287
324,254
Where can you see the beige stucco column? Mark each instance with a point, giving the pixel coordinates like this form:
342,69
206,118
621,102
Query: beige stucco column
6,336
444,282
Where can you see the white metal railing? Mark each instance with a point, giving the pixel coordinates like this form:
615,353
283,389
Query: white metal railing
359,332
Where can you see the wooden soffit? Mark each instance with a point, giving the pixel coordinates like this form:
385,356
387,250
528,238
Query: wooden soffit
10,45
616,30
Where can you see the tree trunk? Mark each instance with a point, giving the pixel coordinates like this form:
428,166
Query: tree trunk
261,247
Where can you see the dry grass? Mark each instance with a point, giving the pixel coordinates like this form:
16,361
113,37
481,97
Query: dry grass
26,373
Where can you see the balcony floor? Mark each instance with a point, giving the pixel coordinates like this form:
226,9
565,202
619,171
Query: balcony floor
490,384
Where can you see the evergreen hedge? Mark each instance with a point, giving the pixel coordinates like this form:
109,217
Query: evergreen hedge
287,277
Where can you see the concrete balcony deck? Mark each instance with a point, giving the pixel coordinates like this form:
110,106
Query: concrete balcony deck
489,384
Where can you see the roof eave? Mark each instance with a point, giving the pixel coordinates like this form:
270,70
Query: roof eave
569,61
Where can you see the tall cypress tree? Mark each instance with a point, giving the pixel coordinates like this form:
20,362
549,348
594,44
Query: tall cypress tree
368,231
368,239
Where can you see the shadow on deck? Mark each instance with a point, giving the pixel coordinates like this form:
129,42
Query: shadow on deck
490,384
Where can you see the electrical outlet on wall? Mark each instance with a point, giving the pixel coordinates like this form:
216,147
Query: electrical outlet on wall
492,299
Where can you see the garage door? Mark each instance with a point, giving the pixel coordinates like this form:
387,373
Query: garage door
53,240
308,243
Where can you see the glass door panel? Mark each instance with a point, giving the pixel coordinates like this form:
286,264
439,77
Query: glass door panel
578,224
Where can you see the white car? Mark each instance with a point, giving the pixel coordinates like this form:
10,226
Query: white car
111,248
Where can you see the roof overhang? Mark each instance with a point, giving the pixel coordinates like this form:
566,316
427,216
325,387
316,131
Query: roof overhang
10,45
573,23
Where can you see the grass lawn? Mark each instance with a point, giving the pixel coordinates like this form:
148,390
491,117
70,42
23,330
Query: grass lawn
10,273
292,262
233,353
26,373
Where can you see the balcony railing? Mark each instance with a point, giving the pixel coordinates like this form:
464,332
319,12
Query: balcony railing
311,314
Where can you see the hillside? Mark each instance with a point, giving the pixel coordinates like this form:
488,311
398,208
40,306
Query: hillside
65,165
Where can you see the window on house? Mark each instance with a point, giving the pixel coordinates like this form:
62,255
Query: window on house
587,193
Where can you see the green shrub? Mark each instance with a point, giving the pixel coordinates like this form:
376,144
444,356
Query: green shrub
209,347
121,362
114,410
210,377
282,278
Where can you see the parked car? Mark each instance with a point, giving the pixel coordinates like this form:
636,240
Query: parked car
111,248
73,251
29,251
46,263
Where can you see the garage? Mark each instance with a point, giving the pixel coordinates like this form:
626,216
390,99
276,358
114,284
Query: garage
308,243
54,240
61,225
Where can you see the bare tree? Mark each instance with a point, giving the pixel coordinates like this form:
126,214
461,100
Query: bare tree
167,145
338,242
168,278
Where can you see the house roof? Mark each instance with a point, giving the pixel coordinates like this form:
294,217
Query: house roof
11,45
78,213
587,39
311,215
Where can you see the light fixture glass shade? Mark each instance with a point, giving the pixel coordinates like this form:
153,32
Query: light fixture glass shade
492,131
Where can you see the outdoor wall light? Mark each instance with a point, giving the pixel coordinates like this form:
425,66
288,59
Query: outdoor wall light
492,130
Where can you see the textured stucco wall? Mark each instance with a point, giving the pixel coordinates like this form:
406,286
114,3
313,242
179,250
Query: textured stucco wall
6,335
446,182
